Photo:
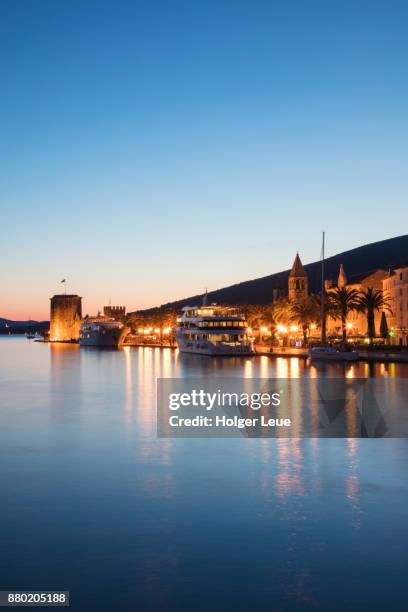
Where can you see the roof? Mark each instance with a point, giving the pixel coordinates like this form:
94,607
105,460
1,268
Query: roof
355,279
297,268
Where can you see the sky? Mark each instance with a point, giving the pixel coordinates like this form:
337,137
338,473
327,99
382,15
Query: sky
149,150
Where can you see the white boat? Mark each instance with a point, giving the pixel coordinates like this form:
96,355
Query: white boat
213,330
330,353
101,333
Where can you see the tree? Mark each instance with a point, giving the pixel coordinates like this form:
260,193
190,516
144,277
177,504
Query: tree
384,327
341,301
258,316
254,314
305,313
372,301
281,310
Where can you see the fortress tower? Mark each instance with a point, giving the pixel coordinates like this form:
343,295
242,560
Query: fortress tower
297,284
66,316
115,312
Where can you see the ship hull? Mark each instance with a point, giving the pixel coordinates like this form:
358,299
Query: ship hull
111,338
209,349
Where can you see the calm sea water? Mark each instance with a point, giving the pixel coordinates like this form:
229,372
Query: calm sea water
92,502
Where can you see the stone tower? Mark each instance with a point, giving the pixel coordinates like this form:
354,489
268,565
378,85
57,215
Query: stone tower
66,316
342,278
297,284
115,312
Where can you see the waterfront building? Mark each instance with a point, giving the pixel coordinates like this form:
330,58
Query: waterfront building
65,318
356,321
395,287
394,284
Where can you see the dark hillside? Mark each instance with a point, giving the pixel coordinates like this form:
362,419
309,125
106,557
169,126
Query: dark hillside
383,254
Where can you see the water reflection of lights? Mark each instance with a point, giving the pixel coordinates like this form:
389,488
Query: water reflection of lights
352,482
152,363
264,366
290,465
350,372
282,367
248,368
166,366
128,379
294,368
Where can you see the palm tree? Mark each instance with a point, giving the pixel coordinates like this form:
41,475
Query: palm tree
372,301
342,301
384,327
281,310
254,314
305,313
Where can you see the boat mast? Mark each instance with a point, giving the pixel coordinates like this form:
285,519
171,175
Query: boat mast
322,313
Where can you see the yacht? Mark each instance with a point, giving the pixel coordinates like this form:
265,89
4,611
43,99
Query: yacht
213,330
102,333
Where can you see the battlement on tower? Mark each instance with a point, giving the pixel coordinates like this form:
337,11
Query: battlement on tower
115,312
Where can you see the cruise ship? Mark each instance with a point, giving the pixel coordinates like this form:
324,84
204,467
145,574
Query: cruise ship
102,333
213,330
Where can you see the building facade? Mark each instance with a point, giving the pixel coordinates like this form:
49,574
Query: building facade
356,321
395,287
392,283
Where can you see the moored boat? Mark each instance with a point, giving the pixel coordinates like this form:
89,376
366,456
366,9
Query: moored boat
213,330
102,333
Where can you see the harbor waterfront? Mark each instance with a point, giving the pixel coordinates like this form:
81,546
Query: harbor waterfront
94,503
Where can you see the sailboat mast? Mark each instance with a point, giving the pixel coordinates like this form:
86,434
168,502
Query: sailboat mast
322,313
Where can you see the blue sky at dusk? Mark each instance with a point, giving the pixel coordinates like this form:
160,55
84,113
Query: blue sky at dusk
151,149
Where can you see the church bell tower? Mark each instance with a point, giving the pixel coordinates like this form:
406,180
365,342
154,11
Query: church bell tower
298,284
